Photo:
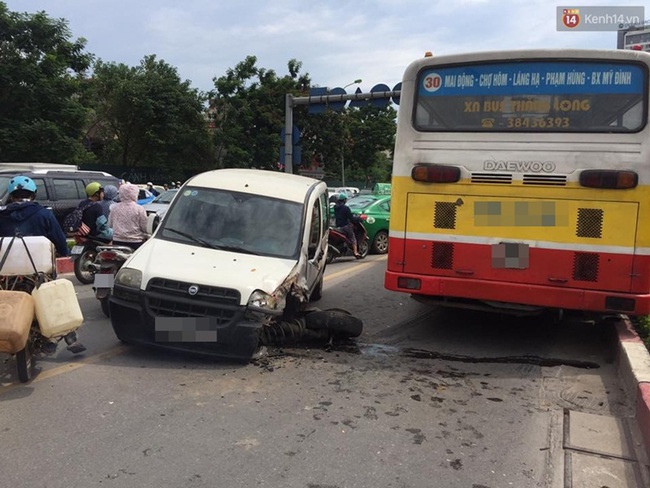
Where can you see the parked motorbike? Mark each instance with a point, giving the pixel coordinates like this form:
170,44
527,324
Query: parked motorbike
107,263
338,245
83,255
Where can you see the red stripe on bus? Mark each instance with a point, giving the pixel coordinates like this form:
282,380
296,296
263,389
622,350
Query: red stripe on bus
550,280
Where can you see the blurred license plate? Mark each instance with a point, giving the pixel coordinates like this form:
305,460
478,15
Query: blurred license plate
104,280
186,329
77,250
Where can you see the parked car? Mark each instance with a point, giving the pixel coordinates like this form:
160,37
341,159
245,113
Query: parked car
160,204
333,193
237,250
60,190
375,210
145,196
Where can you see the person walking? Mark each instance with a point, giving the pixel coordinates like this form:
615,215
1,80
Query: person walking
128,219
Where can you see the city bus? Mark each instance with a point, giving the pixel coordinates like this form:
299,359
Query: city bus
521,182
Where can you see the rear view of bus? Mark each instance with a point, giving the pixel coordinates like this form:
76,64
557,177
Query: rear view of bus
521,182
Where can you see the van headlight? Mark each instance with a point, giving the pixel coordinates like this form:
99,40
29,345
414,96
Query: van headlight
129,277
261,304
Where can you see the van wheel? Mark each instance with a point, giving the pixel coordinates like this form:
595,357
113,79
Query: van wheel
317,294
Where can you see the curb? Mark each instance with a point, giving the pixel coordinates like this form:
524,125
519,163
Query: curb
634,370
64,266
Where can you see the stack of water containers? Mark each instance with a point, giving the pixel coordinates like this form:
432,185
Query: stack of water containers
54,303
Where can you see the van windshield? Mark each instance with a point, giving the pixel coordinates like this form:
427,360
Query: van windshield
232,221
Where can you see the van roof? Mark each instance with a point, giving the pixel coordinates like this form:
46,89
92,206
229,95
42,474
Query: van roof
261,182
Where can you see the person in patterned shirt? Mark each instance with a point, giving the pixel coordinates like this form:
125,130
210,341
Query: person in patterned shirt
128,219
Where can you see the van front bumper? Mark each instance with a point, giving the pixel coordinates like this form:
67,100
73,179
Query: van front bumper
229,335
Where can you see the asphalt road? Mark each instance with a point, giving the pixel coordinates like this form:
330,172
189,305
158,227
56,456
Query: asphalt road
426,397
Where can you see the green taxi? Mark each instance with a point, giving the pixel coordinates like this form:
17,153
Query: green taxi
376,209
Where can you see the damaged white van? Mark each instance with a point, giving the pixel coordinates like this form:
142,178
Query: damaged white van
237,249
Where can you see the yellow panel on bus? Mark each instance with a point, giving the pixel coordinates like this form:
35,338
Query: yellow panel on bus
551,220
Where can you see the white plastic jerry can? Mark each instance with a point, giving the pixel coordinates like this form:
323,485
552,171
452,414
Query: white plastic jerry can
57,308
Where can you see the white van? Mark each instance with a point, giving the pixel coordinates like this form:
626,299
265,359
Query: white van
237,249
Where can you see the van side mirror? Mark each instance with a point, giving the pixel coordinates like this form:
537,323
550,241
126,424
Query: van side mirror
153,221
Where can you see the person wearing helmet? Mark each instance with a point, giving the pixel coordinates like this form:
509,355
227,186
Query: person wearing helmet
95,223
153,191
26,217
110,197
345,221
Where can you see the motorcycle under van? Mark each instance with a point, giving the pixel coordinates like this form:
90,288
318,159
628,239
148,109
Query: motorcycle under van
237,250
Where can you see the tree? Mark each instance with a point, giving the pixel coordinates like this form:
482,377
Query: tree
249,103
374,135
41,83
359,137
147,116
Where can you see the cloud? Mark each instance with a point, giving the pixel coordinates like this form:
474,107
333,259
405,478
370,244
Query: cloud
337,41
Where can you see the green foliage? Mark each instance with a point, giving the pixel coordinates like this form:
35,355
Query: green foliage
42,116
146,116
359,137
249,106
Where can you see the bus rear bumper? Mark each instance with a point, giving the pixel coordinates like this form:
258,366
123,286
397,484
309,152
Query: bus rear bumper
516,293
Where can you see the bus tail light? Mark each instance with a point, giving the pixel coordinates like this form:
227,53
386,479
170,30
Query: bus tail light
609,178
435,173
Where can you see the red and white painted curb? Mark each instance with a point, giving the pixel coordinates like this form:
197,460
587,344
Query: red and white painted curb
634,370
64,266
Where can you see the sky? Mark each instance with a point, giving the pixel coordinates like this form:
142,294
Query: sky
336,41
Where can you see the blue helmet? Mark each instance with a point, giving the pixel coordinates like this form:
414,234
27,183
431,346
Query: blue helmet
342,197
21,183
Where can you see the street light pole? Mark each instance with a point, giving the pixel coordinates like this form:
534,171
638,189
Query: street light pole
343,152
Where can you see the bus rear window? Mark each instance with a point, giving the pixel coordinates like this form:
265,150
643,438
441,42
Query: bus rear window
539,96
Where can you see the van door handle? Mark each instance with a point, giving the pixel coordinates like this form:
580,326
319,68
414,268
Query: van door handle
465,272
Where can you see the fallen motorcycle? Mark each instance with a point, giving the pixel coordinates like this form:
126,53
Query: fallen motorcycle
338,245
107,263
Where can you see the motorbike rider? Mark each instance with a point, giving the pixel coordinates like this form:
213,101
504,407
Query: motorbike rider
128,219
95,224
110,194
345,221
151,188
23,216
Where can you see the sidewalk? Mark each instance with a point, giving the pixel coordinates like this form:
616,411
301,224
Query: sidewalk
634,372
